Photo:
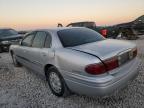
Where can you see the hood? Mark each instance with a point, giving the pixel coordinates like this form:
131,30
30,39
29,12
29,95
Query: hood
106,48
12,37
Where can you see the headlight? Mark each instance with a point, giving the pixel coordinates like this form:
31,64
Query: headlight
5,42
15,41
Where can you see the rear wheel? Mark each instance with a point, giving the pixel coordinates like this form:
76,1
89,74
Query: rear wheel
56,83
15,62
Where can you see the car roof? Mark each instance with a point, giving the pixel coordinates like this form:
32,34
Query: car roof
57,29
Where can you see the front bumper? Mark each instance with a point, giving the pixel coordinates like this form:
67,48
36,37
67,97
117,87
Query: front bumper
5,47
102,86
6,44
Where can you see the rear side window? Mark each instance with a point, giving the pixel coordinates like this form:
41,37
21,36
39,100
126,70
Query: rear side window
27,40
78,36
39,40
48,41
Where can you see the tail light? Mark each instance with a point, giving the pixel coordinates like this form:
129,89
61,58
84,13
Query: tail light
97,69
111,63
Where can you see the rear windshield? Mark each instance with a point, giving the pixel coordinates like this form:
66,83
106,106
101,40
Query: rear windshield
78,36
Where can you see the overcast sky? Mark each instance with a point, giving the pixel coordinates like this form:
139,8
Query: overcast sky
31,14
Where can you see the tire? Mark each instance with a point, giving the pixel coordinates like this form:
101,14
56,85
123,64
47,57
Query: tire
56,83
15,62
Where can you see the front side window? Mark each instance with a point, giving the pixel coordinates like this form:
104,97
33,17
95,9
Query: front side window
27,40
78,36
39,40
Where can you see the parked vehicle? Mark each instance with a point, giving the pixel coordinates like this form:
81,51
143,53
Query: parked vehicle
87,24
78,60
7,37
129,30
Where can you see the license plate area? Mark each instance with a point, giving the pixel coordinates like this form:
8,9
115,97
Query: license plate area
125,57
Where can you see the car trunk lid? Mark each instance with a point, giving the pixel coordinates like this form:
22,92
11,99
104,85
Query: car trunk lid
110,52
106,48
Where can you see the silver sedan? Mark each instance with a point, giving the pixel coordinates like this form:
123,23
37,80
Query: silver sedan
77,60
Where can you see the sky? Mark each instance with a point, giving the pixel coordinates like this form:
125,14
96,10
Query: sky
32,14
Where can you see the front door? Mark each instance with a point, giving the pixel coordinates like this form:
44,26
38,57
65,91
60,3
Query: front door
23,51
36,53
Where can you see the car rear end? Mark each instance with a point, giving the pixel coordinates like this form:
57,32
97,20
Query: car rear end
107,77
108,65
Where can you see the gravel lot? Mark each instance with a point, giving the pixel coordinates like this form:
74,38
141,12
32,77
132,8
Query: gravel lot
21,88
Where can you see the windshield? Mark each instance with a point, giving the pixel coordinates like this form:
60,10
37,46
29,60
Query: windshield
7,32
78,36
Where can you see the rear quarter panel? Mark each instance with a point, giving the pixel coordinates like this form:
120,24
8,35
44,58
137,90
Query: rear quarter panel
73,61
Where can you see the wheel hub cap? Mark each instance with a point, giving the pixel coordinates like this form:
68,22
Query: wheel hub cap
55,82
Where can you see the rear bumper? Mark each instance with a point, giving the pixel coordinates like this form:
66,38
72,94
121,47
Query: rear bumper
102,86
